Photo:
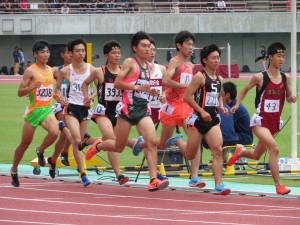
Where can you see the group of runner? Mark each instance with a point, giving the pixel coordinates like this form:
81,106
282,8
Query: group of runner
140,93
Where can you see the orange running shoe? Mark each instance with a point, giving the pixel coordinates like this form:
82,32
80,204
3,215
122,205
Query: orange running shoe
235,156
282,190
156,184
93,150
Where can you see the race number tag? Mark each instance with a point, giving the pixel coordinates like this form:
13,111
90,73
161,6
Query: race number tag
154,100
56,108
192,118
44,93
271,106
167,109
112,93
99,110
119,108
212,99
185,78
140,94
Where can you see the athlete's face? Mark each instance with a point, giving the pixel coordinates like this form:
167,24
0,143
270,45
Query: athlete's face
78,53
212,61
142,50
277,60
186,48
42,56
114,56
67,57
152,53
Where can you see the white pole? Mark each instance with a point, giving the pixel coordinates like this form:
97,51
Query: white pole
229,60
294,80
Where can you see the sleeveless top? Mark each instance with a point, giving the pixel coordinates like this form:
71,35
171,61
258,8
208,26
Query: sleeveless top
135,97
207,97
108,95
42,96
183,75
74,91
270,99
156,82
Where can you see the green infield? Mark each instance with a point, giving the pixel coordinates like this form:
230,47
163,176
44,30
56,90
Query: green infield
12,122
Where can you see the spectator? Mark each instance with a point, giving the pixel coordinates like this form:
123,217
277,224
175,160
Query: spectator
23,5
21,58
169,54
288,3
210,6
263,56
136,8
221,5
16,57
241,117
7,6
65,8
175,6
28,64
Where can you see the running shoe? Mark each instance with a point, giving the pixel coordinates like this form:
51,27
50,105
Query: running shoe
52,167
221,190
161,177
14,179
83,143
156,184
136,148
122,179
61,125
235,156
41,158
197,182
92,150
282,190
64,159
172,141
85,180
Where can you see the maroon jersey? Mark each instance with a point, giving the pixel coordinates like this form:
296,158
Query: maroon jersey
270,99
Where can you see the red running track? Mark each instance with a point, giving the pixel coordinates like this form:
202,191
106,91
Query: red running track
57,202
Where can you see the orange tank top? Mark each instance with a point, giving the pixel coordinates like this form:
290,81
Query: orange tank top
42,96
183,75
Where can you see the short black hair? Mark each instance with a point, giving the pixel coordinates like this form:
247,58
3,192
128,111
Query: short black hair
39,45
152,41
110,45
230,88
78,41
183,36
275,48
137,37
204,53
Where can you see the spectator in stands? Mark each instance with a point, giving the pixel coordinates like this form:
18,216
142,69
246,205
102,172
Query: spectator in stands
288,3
210,6
136,8
221,5
65,8
7,6
16,57
15,6
23,5
175,6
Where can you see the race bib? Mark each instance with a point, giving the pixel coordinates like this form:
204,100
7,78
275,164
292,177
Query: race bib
167,109
185,78
44,93
154,100
119,108
140,94
56,108
63,89
99,110
212,99
112,93
192,118
271,106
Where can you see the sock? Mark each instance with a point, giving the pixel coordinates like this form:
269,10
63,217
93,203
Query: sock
83,174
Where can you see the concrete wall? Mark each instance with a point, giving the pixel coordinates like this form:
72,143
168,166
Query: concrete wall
245,32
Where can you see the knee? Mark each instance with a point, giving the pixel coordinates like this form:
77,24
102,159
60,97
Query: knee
217,153
151,143
274,150
119,149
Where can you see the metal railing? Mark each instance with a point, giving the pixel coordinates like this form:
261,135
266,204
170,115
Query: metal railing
146,7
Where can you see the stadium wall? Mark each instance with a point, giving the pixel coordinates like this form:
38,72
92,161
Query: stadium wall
245,32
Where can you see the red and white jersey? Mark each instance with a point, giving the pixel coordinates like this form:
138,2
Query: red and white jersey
270,99
156,82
